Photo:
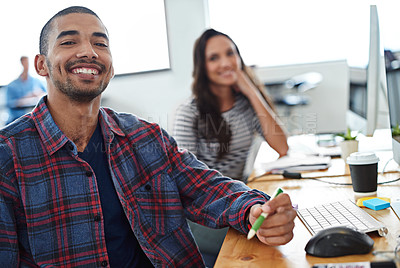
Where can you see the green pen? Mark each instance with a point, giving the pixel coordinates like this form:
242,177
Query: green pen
261,218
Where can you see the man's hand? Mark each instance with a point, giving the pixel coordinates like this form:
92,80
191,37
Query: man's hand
277,229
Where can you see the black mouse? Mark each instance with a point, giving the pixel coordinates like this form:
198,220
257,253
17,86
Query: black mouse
339,241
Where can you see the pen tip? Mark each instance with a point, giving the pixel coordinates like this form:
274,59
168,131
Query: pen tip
251,234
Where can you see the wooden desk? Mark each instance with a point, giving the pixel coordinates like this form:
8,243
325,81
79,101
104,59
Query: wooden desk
237,251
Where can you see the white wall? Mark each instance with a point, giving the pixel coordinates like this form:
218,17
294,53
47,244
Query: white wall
154,96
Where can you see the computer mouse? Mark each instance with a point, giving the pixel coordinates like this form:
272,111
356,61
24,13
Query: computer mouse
339,241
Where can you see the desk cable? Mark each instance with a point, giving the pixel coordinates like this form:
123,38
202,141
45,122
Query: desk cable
384,167
297,175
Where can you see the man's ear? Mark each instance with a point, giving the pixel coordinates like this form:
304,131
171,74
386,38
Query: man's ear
40,65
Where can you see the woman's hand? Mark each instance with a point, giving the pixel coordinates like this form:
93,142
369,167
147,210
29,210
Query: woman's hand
270,123
244,84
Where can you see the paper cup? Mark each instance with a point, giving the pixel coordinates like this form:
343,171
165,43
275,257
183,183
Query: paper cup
364,173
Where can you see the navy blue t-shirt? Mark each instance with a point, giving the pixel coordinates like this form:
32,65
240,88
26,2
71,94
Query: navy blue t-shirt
123,248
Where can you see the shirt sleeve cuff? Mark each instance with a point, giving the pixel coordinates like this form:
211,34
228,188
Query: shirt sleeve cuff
247,200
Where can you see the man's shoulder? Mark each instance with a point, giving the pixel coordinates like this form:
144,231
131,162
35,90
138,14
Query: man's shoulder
21,126
20,130
143,134
128,122
14,83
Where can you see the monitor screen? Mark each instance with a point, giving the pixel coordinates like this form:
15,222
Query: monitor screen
368,104
392,64
373,71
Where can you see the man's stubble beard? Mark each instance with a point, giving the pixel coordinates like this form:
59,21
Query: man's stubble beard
73,92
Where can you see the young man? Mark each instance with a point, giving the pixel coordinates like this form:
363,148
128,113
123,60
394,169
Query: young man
82,185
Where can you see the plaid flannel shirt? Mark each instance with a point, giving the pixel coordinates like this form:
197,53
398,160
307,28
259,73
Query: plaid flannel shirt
50,212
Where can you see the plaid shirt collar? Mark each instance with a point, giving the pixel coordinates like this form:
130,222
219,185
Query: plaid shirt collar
53,138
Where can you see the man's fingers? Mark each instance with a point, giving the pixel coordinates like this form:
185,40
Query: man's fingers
277,230
281,217
282,200
276,235
277,205
275,240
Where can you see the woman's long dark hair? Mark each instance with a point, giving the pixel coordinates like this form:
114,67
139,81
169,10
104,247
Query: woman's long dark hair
211,124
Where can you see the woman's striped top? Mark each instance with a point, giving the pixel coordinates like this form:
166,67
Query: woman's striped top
243,123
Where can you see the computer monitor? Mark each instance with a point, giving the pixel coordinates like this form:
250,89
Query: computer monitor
365,105
376,76
393,91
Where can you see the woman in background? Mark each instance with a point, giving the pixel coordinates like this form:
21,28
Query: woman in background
229,107
219,124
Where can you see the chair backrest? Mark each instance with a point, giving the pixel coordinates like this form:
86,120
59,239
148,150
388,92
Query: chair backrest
251,157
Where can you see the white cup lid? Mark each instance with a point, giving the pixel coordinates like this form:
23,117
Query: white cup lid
360,158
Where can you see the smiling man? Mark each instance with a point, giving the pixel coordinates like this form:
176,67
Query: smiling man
83,185
76,60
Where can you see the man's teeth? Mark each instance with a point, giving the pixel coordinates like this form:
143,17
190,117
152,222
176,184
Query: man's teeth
85,71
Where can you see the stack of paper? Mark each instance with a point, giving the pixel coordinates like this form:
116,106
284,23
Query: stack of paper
293,164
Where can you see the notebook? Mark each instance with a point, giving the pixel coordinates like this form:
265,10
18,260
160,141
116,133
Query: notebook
293,164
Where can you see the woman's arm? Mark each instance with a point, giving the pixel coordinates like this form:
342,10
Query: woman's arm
271,125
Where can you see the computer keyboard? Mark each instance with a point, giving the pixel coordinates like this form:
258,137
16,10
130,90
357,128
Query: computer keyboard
341,213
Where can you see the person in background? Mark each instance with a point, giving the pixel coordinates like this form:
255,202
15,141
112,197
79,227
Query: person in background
218,124
83,185
23,93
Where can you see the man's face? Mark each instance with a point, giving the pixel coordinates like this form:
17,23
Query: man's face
79,61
